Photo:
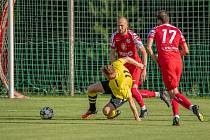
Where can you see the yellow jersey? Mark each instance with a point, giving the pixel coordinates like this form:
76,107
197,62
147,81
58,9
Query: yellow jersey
121,85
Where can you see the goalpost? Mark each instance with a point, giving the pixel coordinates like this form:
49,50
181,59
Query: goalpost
7,49
44,57
11,48
7,26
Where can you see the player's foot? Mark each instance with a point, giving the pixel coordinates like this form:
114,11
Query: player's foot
176,121
143,113
117,113
164,97
22,97
195,109
18,95
88,114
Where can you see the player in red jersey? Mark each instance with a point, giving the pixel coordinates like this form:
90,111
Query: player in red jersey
125,42
168,38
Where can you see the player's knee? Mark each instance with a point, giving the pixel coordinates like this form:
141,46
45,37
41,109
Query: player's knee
97,87
89,89
106,111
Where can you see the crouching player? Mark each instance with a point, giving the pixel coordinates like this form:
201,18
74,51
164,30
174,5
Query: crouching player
119,85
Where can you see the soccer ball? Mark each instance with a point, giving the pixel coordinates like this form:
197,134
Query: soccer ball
46,113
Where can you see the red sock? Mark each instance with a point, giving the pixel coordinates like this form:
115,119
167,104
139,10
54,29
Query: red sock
147,93
136,94
175,107
182,100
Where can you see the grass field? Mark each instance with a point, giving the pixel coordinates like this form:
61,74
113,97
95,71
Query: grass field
20,120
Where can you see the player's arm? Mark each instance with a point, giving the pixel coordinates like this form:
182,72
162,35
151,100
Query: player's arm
133,62
112,55
150,51
112,48
144,61
185,49
133,108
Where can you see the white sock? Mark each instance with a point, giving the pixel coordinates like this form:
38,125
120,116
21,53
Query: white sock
191,107
157,94
176,116
143,107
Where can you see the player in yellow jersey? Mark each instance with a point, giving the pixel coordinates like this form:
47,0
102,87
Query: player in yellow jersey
119,85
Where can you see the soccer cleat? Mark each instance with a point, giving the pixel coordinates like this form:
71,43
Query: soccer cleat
176,121
118,112
195,109
164,97
143,113
88,114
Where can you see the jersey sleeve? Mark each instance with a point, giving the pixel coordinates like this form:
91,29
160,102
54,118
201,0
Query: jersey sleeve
152,33
182,39
137,41
112,41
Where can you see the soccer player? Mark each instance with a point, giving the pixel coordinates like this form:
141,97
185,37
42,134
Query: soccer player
119,85
168,38
125,42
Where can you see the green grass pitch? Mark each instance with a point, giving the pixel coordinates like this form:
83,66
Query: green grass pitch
20,120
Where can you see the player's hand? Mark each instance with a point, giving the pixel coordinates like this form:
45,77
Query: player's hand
141,66
143,75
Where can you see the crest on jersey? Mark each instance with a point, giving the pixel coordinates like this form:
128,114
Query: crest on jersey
128,40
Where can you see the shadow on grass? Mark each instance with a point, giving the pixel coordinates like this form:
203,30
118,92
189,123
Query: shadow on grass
92,121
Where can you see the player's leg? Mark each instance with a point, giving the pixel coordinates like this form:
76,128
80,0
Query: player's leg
92,97
181,99
172,81
18,95
175,109
161,94
147,93
167,76
138,97
110,109
136,73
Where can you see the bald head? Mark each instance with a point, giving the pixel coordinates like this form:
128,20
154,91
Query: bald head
163,16
122,19
122,24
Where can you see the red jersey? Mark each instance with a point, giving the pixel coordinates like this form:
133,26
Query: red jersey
126,45
168,38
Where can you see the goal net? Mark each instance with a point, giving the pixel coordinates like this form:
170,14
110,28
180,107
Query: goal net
3,46
42,63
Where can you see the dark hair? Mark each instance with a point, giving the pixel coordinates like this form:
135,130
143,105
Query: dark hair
163,16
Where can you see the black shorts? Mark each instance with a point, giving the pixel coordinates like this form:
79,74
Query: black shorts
116,102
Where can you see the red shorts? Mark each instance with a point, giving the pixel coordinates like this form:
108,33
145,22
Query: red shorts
136,74
171,73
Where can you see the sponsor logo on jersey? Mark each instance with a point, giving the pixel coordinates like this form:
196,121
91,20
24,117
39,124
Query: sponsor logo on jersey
130,54
128,40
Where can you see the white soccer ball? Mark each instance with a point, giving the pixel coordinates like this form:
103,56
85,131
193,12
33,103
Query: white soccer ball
46,113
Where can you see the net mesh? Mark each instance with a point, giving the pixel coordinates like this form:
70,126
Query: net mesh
3,46
42,42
